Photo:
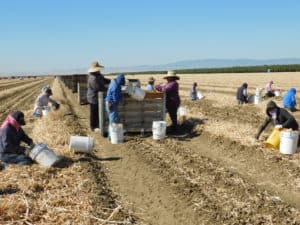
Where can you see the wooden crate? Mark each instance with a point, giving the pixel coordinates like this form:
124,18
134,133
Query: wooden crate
135,115
82,91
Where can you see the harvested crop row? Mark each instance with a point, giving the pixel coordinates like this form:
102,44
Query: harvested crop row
16,90
21,101
75,192
218,195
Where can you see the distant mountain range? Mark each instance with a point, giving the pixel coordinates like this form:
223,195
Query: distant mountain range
186,64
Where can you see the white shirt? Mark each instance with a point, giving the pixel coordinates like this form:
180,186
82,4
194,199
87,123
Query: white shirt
42,101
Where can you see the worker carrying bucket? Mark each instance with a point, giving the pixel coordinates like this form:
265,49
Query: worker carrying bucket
279,117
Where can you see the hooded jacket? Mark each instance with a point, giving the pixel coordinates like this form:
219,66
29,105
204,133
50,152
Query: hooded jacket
289,99
96,82
241,93
11,135
114,92
283,117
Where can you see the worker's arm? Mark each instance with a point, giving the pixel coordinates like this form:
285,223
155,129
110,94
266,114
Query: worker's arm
263,127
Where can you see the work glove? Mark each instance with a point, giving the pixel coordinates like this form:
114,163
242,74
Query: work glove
278,126
55,106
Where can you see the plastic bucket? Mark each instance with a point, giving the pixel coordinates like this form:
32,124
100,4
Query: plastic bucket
277,93
116,133
288,142
46,110
273,140
258,91
159,130
81,144
43,155
137,93
257,99
182,110
200,95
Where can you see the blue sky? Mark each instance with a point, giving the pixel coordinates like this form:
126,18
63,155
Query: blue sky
50,35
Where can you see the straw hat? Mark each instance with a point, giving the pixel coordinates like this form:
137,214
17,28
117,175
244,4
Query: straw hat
171,73
95,67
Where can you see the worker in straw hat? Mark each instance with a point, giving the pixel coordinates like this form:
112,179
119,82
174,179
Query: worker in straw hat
96,83
11,135
172,97
150,86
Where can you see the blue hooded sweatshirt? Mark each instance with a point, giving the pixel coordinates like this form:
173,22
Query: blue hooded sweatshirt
289,99
114,92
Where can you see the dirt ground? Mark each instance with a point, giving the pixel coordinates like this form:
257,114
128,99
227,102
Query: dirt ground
212,172
201,178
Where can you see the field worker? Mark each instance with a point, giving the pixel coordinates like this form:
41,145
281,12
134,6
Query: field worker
42,101
113,98
11,135
96,83
241,94
172,97
268,89
279,117
150,86
193,92
289,100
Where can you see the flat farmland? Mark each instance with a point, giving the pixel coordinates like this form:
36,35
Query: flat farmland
214,172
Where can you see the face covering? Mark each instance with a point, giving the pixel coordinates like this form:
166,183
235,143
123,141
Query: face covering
273,113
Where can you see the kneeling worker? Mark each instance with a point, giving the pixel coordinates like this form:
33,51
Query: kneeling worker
280,117
11,135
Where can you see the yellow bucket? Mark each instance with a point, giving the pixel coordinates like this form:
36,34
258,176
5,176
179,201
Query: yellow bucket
273,140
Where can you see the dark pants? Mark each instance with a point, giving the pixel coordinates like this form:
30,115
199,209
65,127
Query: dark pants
16,159
270,94
94,116
173,115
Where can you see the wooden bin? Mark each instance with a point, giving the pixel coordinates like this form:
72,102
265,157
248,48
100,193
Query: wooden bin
135,115
82,92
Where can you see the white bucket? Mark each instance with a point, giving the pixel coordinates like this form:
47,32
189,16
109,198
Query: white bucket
159,130
81,144
277,93
258,91
46,110
137,93
288,142
116,133
43,155
182,110
200,95
257,99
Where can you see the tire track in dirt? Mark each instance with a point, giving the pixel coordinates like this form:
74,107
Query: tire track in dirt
217,194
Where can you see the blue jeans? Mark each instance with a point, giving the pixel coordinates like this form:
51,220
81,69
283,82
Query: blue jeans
16,159
113,115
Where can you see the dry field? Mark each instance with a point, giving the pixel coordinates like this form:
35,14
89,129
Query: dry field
213,173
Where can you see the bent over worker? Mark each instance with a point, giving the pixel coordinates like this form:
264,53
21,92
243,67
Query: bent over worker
279,117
